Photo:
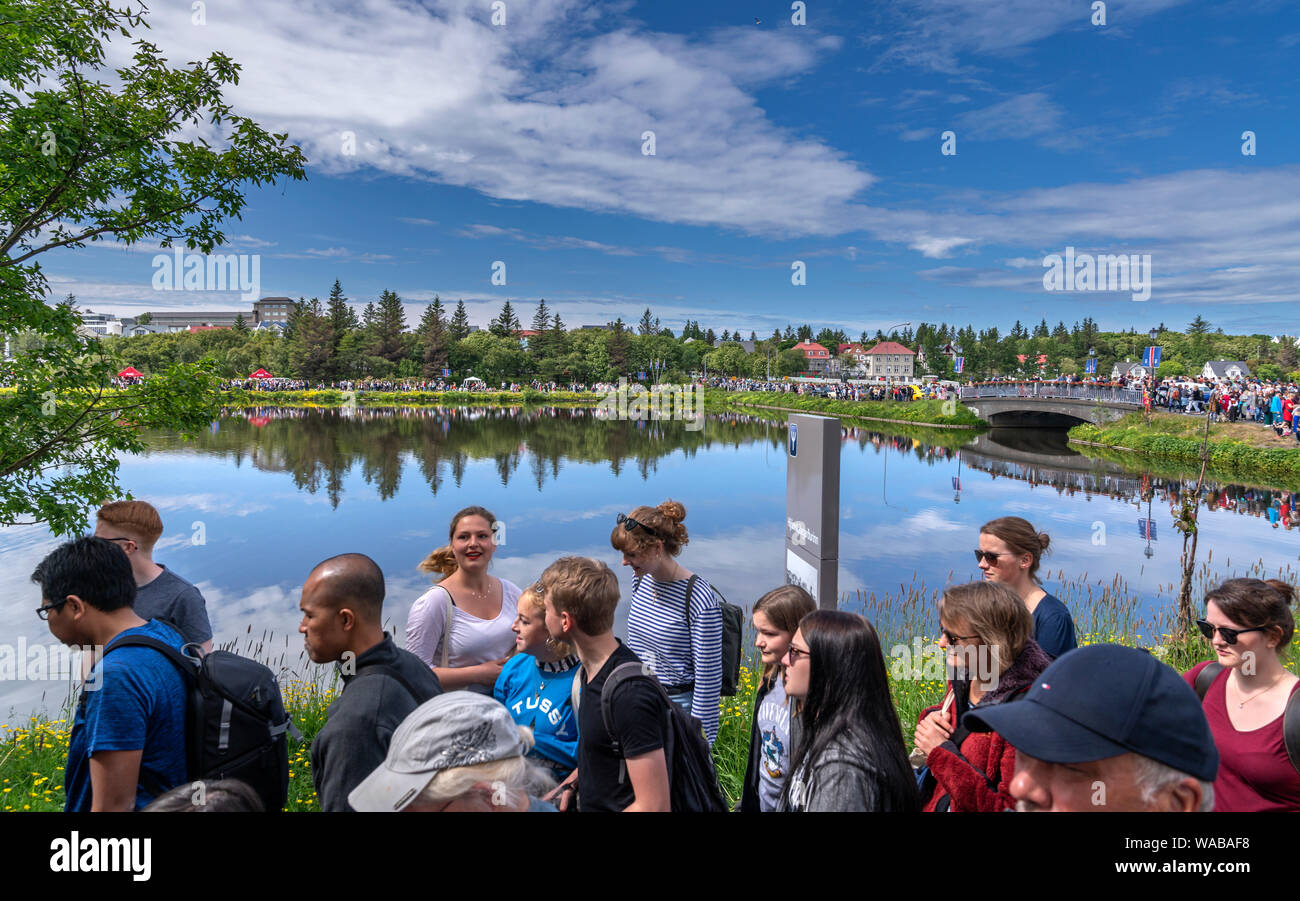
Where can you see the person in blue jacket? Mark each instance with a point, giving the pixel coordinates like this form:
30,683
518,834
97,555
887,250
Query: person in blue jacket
536,687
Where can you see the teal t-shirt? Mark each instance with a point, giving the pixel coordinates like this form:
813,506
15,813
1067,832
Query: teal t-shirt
539,696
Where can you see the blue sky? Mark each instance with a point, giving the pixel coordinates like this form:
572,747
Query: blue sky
773,143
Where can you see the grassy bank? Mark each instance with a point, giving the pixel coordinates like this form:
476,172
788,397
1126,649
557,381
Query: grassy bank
32,755
1244,451
920,412
330,397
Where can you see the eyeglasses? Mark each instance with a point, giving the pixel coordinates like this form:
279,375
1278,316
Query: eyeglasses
991,557
132,540
44,611
796,654
1229,635
629,524
953,639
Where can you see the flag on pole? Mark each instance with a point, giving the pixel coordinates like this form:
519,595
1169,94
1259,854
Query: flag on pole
1151,358
958,364
1147,529
956,483
1090,366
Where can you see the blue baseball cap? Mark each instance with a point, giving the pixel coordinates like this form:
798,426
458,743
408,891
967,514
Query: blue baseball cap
1105,700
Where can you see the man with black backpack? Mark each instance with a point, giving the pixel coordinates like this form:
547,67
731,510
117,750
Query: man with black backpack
342,609
622,767
130,720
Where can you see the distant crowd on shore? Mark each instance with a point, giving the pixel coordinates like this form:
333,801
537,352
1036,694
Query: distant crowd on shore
522,698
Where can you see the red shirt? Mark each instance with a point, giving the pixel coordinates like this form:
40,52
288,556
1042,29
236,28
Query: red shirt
1254,770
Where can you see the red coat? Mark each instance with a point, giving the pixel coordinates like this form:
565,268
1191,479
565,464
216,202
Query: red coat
977,777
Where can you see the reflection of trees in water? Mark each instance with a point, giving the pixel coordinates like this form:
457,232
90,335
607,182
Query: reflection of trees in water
318,448
1279,507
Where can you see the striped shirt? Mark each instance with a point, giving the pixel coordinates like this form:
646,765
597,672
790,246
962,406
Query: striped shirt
658,634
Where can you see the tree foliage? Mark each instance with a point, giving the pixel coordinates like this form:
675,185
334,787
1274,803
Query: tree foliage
87,155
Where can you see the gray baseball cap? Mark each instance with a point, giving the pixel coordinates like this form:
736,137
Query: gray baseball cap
454,729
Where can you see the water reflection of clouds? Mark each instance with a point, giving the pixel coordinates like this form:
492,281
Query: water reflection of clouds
206,503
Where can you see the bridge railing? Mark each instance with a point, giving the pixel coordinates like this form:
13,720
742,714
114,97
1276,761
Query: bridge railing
1051,391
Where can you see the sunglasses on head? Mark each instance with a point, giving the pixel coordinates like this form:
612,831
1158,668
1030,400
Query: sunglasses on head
1229,635
629,524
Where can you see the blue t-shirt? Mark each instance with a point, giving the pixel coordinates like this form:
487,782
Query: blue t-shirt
540,696
138,702
1053,627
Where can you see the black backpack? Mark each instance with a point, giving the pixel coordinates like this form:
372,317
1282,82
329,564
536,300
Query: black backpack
733,629
691,774
235,722
1290,714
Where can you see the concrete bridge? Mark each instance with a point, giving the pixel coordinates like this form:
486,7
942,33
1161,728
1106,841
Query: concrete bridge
1048,404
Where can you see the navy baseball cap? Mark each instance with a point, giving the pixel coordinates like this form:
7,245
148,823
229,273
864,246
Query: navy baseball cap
1105,700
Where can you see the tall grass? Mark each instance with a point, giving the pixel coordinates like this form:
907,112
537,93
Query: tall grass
33,755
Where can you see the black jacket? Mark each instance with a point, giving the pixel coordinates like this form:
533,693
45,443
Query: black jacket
749,791
360,722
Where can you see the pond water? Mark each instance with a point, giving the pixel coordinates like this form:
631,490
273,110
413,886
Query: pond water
251,505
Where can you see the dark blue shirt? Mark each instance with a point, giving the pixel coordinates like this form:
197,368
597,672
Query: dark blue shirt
1053,627
135,700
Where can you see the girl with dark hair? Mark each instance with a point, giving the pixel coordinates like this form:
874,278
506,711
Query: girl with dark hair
462,626
851,756
1009,552
776,618
1248,694
674,623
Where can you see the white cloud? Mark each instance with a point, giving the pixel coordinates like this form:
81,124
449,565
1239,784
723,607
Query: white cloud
546,109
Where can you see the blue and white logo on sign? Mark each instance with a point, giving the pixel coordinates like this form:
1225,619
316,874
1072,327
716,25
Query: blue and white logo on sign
794,439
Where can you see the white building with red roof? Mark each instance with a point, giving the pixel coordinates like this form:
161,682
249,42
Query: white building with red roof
816,357
889,359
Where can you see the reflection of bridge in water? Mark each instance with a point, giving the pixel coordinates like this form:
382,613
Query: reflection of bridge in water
1045,458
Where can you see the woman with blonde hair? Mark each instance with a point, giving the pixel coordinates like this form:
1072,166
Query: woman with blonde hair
992,659
456,752
536,685
776,618
675,621
462,627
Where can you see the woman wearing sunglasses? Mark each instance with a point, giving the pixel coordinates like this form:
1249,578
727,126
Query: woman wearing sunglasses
851,755
993,660
1246,692
683,646
1009,552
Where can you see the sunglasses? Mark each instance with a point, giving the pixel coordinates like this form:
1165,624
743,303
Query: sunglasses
991,557
953,639
1229,635
628,523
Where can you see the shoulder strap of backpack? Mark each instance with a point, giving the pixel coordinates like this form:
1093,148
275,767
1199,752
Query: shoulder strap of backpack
1291,729
446,628
622,673
690,588
1205,678
383,669
187,665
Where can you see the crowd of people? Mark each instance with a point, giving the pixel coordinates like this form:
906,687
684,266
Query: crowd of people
509,698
